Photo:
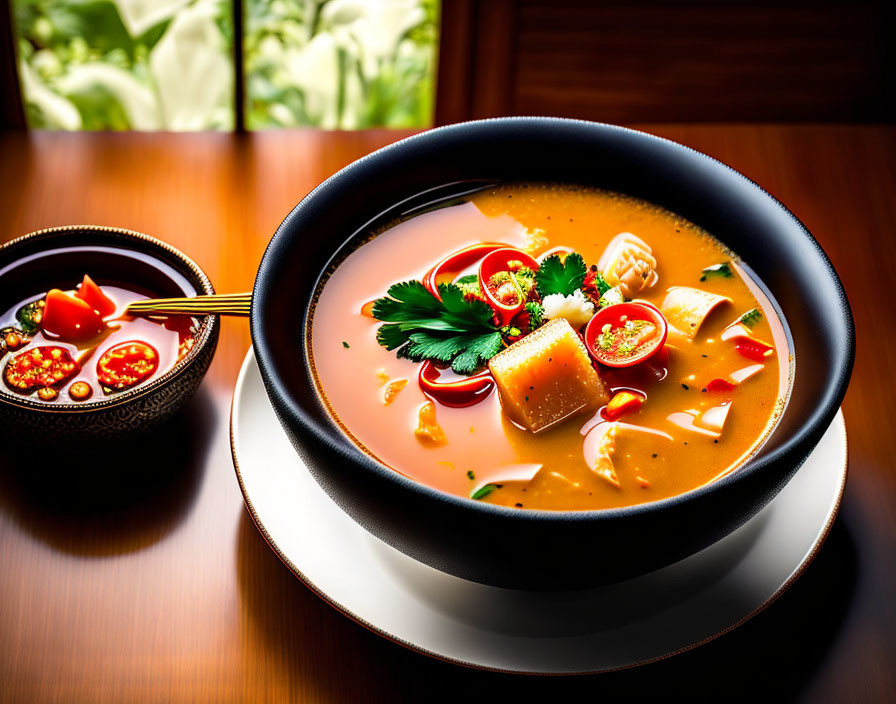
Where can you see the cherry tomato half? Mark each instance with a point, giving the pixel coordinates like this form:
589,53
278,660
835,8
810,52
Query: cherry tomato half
126,365
625,334
40,368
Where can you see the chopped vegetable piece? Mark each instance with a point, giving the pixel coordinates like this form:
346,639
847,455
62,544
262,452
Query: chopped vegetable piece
126,365
367,309
720,385
628,262
751,317
547,377
40,367
48,393
754,349
625,334
722,270
482,492
444,329
428,430
563,276
93,296
536,314
687,308
80,391
70,318
30,316
457,394
393,388
622,403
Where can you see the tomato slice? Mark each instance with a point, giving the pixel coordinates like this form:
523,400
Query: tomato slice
625,334
70,318
93,296
126,365
41,367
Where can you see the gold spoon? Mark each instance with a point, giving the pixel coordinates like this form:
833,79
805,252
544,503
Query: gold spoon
237,304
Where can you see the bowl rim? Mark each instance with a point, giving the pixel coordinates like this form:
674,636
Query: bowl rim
206,333
346,450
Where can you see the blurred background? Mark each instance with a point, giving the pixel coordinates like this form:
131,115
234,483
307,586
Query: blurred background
352,64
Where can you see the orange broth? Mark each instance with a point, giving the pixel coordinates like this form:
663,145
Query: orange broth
352,370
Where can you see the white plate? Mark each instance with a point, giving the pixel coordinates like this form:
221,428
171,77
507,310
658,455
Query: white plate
592,630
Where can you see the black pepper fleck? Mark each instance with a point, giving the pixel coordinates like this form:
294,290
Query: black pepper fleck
531,387
518,505
527,398
704,356
655,455
716,441
686,387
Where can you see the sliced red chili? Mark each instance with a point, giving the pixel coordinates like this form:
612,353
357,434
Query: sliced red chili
720,385
455,263
40,368
498,283
754,349
126,365
457,394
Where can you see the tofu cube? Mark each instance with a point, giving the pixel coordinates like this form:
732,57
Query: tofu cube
547,377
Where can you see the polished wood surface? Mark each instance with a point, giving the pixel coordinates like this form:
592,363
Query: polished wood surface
151,583
665,60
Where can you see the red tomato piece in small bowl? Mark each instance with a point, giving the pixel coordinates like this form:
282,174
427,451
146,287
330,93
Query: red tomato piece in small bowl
625,334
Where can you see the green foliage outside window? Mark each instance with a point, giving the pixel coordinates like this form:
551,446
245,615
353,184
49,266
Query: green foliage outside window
167,64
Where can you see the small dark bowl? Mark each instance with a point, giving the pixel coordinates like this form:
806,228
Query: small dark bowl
547,549
59,257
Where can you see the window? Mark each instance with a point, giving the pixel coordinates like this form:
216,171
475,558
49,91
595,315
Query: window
169,64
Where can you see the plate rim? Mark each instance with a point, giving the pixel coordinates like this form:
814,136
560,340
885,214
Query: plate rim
796,574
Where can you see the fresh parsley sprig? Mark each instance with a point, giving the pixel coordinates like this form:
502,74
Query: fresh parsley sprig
452,330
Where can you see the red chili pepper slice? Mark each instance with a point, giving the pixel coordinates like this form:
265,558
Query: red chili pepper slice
93,296
455,263
720,385
507,299
126,365
40,368
457,394
754,349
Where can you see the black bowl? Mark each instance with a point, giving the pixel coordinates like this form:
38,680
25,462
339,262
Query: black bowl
59,257
545,549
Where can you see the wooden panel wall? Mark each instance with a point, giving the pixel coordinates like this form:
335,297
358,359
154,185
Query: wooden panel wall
672,60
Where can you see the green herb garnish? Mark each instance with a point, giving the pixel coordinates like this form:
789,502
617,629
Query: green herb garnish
345,344
470,474
453,330
30,316
722,270
751,317
482,492
536,314
564,277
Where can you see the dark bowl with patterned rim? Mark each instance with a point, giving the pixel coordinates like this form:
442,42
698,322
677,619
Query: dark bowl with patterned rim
520,547
57,258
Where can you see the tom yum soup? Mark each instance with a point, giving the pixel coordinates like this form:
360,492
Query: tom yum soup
550,347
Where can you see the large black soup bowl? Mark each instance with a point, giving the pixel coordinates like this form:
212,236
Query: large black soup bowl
544,549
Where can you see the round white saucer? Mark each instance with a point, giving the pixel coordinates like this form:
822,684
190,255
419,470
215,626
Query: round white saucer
585,631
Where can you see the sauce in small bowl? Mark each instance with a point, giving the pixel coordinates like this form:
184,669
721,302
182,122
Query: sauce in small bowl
108,374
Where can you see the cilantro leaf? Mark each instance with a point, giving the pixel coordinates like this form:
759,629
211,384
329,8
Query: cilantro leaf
722,270
449,329
536,314
556,276
751,317
601,283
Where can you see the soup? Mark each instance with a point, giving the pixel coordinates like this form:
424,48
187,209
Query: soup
545,346
80,345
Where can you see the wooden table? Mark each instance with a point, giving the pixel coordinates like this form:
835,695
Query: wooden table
158,587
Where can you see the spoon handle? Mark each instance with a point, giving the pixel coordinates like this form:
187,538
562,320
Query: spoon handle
237,304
